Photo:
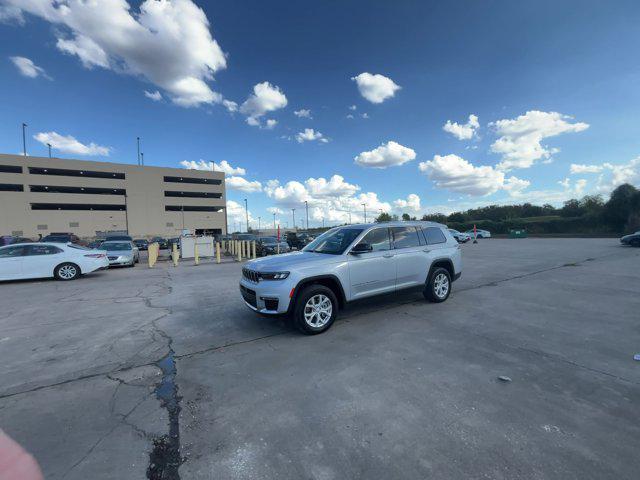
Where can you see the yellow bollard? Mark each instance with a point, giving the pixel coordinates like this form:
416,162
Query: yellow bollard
231,247
239,254
196,260
245,249
174,254
217,252
153,254
253,249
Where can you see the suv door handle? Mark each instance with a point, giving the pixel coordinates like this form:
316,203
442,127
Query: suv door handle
388,255
427,250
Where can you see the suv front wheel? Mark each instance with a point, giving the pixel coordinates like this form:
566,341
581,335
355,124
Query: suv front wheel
439,286
315,310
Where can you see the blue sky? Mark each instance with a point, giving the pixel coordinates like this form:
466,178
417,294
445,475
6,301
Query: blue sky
552,88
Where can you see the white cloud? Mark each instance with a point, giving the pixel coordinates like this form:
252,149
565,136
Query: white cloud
11,15
615,175
236,216
275,210
520,138
270,124
27,68
265,98
577,189
375,88
303,113
68,144
457,174
350,116
411,204
386,155
578,169
465,131
310,135
155,96
352,107
364,115
231,106
223,166
169,43
242,184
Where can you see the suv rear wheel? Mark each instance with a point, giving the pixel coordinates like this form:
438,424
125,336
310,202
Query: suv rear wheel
315,310
439,286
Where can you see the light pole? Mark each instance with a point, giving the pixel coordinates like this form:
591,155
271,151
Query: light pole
293,212
349,216
49,145
24,139
246,212
306,206
364,206
138,139
274,221
259,224
322,222
142,158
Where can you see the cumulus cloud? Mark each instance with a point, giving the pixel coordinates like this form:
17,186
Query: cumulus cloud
236,216
242,184
454,173
375,87
155,96
27,68
386,155
411,204
303,113
578,169
264,99
169,43
465,131
10,14
223,166
69,144
520,138
310,135
275,210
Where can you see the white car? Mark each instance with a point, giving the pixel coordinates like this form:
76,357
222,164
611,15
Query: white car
479,233
43,259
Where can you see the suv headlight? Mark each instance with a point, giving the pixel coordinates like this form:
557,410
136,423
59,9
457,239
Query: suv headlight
274,275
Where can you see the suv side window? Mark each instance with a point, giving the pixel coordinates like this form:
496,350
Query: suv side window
10,252
42,250
378,239
405,237
434,235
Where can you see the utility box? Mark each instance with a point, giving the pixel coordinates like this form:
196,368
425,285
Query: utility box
188,247
519,233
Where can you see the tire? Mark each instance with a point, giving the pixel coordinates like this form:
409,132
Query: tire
66,271
315,295
438,288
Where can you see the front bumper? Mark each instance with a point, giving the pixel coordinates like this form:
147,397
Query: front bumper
120,260
270,297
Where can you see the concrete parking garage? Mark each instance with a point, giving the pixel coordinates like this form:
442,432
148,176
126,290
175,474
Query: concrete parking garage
398,388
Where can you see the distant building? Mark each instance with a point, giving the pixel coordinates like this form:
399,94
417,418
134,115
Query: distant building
43,195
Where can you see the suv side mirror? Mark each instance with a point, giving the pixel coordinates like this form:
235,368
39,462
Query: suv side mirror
362,248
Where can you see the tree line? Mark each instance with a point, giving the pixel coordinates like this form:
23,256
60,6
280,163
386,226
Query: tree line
589,215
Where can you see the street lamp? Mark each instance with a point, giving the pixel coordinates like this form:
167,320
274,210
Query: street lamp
306,206
259,224
138,139
246,212
364,206
293,212
24,139
142,158
274,221
49,145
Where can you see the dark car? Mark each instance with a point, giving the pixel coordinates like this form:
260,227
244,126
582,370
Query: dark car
244,236
295,241
162,242
632,239
61,238
95,244
142,244
11,240
269,246
118,238
173,241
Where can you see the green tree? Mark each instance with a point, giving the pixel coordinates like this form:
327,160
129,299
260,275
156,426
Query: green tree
619,207
384,217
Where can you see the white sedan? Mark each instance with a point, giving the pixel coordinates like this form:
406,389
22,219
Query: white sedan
479,233
42,260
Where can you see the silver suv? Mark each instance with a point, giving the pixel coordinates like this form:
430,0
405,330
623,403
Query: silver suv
349,263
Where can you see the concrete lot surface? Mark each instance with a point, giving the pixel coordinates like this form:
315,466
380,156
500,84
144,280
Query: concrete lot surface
164,373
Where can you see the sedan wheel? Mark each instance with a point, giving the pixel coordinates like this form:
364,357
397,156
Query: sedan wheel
67,271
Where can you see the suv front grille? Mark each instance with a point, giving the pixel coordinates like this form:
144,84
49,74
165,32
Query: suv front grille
251,275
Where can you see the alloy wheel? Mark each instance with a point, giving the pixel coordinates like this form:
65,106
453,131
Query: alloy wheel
441,285
318,311
67,272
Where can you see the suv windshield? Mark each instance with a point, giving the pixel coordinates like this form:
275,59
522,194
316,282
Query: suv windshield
116,246
334,242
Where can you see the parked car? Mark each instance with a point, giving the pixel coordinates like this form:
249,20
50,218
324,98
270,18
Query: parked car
173,241
244,236
295,241
461,237
479,233
12,240
122,253
95,244
162,242
632,239
62,238
42,260
350,263
118,238
269,246
142,244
